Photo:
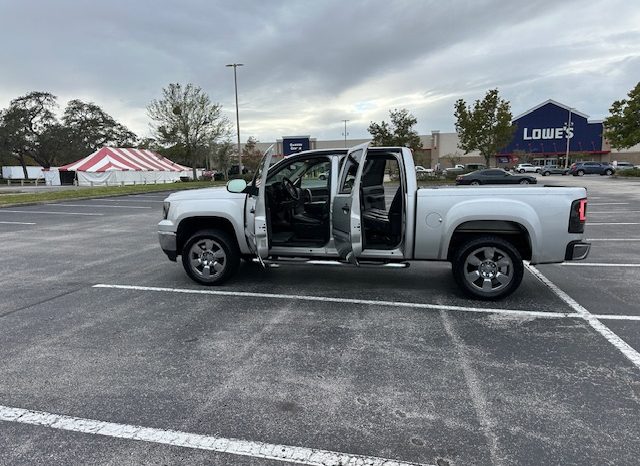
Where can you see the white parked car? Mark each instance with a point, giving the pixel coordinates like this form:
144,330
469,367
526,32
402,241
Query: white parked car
527,168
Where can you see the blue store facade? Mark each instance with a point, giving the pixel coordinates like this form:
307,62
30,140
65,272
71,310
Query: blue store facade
541,135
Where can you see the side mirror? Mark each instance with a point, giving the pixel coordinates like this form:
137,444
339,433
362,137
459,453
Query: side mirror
236,186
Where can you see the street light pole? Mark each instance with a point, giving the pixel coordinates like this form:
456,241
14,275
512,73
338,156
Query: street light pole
235,83
345,132
566,155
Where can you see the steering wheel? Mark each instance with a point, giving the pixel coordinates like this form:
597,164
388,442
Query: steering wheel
290,188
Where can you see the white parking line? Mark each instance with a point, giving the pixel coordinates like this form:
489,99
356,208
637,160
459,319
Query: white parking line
593,321
124,200
613,239
615,317
597,264
435,307
18,223
614,212
50,212
232,446
101,205
608,203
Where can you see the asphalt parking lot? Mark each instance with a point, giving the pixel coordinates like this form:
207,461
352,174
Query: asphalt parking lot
109,354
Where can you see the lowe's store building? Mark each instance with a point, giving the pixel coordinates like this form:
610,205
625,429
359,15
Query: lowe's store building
543,132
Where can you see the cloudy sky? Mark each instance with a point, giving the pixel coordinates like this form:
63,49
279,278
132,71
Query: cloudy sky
311,64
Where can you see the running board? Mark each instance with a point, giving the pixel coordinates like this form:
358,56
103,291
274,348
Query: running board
275,263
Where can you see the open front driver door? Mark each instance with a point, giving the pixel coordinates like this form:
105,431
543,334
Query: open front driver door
255,211
346,215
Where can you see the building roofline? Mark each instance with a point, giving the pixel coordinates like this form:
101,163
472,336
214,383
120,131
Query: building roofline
556,103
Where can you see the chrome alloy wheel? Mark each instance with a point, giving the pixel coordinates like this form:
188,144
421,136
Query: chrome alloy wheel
488,269
207,258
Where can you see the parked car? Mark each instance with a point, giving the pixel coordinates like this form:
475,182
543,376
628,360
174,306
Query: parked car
554,170
494,176
465,168
421,169
591,168
527,168
486,233
624,166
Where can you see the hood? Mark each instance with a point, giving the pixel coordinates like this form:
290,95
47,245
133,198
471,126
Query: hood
206,193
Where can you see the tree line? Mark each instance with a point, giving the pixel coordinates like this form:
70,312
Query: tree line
189,128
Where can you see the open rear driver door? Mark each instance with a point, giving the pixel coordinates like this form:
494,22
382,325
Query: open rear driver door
255,212
346,215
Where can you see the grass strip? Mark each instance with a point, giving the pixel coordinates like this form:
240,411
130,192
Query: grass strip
17,198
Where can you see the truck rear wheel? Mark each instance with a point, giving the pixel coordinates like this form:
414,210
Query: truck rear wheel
488,268
210,257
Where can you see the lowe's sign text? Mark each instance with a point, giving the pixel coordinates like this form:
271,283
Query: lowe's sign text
547,133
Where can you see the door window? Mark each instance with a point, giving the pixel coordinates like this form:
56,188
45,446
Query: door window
349,171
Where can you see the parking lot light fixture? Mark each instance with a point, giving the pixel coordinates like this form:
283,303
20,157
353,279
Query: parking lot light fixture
566,155
235,83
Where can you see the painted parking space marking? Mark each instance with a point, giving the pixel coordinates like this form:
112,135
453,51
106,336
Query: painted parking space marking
232,446
101,205
596,264
53,212
593,321
615,317
18,223
614,212
368,302
125,200
608,203
613,239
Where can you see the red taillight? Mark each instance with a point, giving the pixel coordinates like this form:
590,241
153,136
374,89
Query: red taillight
578,216
583,210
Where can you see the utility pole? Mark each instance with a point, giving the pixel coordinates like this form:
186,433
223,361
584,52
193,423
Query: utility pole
235,82
345,134
566,156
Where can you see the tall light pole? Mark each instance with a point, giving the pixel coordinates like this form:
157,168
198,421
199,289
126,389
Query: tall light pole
345,132
235,82
566,155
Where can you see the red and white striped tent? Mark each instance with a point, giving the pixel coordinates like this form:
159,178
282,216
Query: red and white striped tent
116,165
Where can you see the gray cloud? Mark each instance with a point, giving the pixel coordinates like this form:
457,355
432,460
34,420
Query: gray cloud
310,64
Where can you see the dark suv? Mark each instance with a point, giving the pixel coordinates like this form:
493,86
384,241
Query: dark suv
591,168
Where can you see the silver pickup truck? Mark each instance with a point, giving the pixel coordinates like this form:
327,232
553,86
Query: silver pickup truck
362,206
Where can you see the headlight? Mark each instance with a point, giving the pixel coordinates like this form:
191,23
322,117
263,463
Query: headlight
165,209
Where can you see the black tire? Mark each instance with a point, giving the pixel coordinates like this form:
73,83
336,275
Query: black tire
525,181
546,173
537,170
580,173
608,172
210,249
475,183
521,170
500,259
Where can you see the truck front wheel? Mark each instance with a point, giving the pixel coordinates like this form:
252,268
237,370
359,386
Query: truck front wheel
488,268
210,257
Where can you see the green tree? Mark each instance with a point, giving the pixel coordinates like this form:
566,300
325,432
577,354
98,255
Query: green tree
222,153
251,155
399,132
26,128
185,115
90,128
485,126
622,127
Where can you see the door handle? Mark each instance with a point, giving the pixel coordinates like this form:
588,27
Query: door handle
345,210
